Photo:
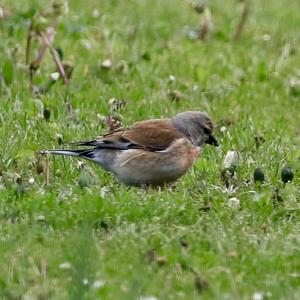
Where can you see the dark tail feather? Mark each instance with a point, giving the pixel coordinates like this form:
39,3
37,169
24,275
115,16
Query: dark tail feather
90,143
85,153
105,144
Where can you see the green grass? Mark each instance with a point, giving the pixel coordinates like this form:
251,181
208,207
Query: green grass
66,242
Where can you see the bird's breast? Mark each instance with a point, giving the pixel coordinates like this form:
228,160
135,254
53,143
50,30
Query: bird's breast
137,166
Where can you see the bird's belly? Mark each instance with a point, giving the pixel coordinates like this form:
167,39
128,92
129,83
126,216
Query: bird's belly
139,167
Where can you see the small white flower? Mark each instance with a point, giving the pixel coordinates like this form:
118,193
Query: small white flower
98,284
294,82
231,160
95,13
40,218
80,165
31,180
106,64
258,296
266,37
54,76
112,101
85,281
233,202
196,88
172,78
65,266
223,129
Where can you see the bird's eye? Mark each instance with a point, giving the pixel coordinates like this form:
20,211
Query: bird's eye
206,130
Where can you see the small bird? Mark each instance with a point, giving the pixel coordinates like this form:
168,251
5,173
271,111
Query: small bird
151,152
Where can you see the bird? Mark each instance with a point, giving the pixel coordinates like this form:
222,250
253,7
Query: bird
151,152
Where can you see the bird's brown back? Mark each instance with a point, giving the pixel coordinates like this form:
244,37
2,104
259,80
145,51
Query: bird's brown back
155,134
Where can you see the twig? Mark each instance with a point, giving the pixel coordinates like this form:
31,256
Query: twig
31,72
242,21
50,33
55,57
47,171
28,44
37,62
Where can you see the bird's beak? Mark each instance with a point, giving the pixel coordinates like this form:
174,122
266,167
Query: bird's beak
212,141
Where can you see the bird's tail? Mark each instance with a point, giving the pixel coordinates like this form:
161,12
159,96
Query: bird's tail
102,157
84,153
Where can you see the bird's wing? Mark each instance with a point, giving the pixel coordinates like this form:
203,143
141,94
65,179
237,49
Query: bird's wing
153,135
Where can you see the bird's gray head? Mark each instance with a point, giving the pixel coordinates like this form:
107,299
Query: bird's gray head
196,126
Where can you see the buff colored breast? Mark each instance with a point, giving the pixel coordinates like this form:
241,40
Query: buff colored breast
140,167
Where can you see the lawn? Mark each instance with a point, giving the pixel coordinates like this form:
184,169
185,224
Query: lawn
86,236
